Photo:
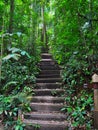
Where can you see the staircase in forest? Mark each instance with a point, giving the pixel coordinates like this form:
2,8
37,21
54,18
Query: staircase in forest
47,103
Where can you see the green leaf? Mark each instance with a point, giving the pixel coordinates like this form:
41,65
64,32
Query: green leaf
21,128
12,56
69,109
9,84
75,124
23,53
19,34
1,111
17,127
14,49
5,112
63,109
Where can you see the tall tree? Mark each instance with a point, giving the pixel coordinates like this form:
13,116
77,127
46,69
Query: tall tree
44,8
11,16
44,33
11,21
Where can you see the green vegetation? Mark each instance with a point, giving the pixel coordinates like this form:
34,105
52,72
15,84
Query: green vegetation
20,53
74,44
70,30
18,71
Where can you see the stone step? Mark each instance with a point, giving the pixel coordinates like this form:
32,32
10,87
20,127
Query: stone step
47,103
47,62
49,76
46,107
45,116
48,80
48,92
47,99
48,85
49,67
48,72
46,125
46,56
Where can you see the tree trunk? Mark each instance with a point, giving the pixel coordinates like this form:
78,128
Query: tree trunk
44,31
11,16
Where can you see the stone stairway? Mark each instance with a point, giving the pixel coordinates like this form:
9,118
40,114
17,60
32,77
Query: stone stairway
47,103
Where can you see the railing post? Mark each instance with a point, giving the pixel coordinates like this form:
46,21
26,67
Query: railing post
95,86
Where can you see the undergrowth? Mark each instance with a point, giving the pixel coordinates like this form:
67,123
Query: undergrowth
18,72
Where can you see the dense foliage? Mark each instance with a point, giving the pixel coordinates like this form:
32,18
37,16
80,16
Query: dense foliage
74,44
18,72
20,52
69,29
